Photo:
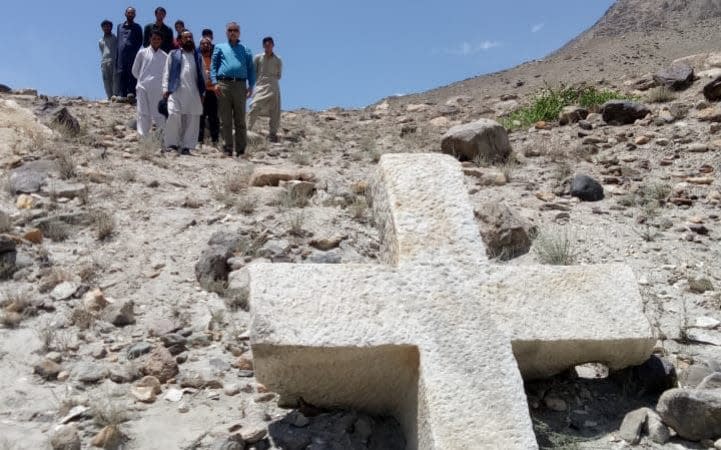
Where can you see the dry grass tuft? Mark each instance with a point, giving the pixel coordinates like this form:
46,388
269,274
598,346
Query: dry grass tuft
555,248
66,164
104,224
6,223
660,94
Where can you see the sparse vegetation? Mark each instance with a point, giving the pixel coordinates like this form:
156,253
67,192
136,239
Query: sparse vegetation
66,164
55,230
554,247
660,94
548,103
107,413
302,158
47,334
127,175
700,285
293,198
296,220
359,208
104,224
82,318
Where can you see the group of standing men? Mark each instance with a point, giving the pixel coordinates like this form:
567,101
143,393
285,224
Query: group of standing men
178,87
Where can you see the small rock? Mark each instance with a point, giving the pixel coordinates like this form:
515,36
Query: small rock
505,234
47,369
586,188
88,372
120,313
231,389
146,389
708,323
174,395
657,431
160,364
25,201
632,426
254,435
618,112
572,114
327,243
95,301
272,176
64,290
139,349
109,438
65,438
712,90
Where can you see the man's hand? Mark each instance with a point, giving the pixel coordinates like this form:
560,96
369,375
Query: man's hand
249,93
216,89
166,95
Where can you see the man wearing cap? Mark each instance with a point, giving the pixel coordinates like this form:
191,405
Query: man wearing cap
232,75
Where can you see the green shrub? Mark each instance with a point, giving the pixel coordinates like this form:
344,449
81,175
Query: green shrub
548,103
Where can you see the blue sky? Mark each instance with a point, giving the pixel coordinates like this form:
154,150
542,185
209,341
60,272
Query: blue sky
335,53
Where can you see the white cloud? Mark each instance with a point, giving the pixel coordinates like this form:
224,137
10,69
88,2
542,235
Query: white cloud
471,48
537,27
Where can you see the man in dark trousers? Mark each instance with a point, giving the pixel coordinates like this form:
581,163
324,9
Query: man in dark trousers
130,39
161,28
210,101
232,74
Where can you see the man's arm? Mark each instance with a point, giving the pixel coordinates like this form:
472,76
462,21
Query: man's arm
138,64
280,67
166,76
101,45
214,65
146,35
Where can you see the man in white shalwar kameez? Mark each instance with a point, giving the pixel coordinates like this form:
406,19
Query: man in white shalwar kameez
183,87
148,68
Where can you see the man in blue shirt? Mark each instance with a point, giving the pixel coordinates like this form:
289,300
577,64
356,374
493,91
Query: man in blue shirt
232,75
130,39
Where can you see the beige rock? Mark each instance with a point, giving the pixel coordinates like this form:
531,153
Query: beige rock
421,107
160,364
272,176
95,300
109,437
413,338
440,122
146,389
486,177
25,201
484,138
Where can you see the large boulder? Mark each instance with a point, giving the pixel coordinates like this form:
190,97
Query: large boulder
676,77
586,188
712,90
622,112
212,268
505,234
694,414
484,138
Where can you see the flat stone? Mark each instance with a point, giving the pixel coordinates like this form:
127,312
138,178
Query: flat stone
29,177
712,381
47,369
707,323
88,372
425,325
64,290
704,336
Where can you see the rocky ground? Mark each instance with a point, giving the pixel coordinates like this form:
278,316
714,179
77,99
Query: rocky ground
124,318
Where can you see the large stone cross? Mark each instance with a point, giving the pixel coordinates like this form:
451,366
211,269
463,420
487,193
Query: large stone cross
438,337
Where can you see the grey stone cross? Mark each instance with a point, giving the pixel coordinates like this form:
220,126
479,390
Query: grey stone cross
437,337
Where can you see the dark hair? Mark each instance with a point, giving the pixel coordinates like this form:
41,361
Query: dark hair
207,32
160,9
156,33
268,39
106,22
179,22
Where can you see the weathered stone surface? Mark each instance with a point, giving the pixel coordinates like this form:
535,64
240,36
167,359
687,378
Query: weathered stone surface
64,290
620,112
632,426
160,364
120,313
572,114
712,90
694,414
88,372
676,77
484,138
655,428
146,389
694,374
212,266
109,438
505,234
63,189
425,326
712,381
30,177
65,438
586,188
